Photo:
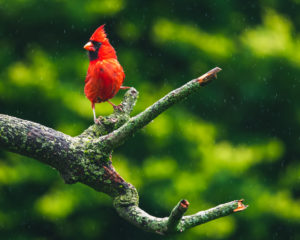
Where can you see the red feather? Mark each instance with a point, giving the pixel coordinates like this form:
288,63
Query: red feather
105,75
103,80
99,35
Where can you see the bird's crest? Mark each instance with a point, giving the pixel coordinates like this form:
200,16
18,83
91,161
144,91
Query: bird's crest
99,35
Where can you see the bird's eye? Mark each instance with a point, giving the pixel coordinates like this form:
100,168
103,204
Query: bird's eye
96,44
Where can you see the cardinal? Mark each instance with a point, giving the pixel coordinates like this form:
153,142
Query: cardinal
105,75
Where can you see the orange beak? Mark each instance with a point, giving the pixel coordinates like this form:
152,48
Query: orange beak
89,46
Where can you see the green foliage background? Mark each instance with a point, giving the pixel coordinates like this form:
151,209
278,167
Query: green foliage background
236,138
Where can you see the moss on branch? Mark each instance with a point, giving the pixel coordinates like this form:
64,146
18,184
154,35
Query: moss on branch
87,158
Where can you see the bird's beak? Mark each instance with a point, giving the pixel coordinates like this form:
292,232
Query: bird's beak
89,46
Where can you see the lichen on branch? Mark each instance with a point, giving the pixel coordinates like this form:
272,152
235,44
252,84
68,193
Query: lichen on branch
86,158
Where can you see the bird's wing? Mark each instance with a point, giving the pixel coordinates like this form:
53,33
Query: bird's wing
88,76
109,69
111,76
104,80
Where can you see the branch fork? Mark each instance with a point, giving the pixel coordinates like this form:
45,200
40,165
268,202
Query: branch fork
87,158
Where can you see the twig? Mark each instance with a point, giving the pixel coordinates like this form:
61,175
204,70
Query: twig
201,217
176,215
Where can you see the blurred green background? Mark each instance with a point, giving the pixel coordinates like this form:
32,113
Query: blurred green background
236,138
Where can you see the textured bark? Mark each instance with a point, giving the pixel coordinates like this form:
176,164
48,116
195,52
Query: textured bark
87,158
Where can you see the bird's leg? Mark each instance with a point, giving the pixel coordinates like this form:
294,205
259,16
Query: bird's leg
119,107
124,87
94,112
96,120
114,106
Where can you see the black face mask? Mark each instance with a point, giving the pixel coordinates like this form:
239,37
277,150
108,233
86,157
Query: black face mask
93,55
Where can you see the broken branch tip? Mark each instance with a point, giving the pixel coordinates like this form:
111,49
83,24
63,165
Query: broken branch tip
209,76
241,206
184,204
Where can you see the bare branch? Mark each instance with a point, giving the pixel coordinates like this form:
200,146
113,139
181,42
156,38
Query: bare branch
118,136
175,222
34,140
219,211
87,157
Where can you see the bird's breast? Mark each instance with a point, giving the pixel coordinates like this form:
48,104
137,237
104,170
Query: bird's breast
104,79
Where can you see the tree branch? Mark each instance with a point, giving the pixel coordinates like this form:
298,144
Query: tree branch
201,217
34,140
175,222
176,215
87,158
117,137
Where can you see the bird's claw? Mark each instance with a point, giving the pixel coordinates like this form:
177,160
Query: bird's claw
118,108
97,121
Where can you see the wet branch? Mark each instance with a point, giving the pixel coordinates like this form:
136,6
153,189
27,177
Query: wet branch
176,222
87,158
118,136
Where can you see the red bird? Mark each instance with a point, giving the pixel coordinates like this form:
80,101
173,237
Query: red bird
105,75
